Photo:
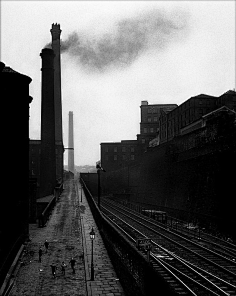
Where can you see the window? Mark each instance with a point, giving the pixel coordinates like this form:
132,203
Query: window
123,149
155,118
132,149
123,157
115,157
143,141
149,119
151,130
115,149
145,130
106,149
132,157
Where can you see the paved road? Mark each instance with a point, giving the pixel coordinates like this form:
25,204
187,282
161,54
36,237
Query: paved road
65,241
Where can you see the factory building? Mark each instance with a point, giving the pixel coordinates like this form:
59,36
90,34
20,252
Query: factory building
190,111
150,123
160,123
115,155
14,216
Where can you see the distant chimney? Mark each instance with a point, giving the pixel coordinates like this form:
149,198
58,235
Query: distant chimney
143,103
48,155
71,144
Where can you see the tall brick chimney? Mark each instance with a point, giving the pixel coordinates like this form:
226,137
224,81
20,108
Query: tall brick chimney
56,32
48,153
71,144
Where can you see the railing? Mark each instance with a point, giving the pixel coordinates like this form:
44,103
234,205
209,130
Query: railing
43,217
135,273
10,257
58,190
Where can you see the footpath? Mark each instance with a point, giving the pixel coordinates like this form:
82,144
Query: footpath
67,232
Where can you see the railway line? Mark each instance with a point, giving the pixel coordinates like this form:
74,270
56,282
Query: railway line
225,248
189,267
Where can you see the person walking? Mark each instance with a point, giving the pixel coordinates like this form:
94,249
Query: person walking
72,264
63,268
40,254
53,268
46,244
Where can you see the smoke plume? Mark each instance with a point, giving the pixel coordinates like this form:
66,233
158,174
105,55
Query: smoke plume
131,38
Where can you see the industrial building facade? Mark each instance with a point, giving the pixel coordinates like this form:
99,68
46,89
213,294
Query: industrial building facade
190,111
117,154
160,123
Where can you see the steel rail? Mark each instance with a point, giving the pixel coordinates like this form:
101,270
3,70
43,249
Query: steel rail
225,282
182,238
189,290
168,266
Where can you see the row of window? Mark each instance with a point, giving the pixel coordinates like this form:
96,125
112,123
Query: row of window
147,130
153,110
150,119
124,149
182,120
180,111
123,157
144,140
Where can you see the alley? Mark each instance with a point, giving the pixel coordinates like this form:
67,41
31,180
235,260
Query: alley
65,241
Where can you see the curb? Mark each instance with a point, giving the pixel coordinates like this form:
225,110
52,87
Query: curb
9,279
89,291
87,274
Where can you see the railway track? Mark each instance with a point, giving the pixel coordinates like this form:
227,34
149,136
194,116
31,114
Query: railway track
222,247
203,271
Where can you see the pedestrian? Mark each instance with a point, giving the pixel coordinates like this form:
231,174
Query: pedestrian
72,264
40,254
46,244
63,268
53,267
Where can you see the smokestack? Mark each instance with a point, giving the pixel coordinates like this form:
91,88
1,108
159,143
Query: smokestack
48,155
56,32
71,144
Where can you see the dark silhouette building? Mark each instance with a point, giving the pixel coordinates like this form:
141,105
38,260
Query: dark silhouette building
119,154
189,173
150,123
14,209
190,111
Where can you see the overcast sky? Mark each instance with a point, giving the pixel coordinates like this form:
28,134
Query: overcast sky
116,54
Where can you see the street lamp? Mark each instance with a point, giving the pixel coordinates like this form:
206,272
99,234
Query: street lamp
81,192
99,168
92,237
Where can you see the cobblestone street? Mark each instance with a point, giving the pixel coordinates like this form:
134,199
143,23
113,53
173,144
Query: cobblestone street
65,241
